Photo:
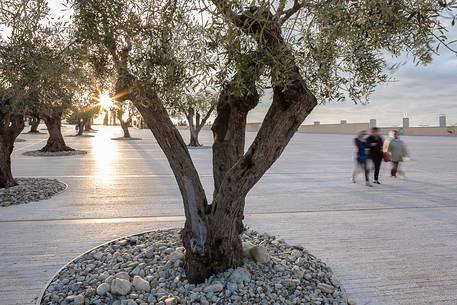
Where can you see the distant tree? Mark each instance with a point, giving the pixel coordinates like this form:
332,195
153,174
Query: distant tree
34,122
81,114
196,109
64,74
338,46
125,111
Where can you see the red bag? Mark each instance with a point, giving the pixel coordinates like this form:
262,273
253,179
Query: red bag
386,157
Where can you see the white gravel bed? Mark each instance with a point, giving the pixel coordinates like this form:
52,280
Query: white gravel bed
38,153
30,189
148,269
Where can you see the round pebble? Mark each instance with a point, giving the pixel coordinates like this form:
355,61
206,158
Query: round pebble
30,189
142,269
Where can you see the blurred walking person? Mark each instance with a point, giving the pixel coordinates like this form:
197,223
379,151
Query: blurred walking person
375,144
361,157
397,152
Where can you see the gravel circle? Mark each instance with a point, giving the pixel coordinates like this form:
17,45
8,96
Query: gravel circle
37,153
147,269
19,140
30,189
126,139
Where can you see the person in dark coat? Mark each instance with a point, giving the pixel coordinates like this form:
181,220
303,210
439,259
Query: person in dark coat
361,157
375,143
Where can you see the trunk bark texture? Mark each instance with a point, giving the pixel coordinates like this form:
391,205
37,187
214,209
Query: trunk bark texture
211,246
6,149
55,141
10,127
229,129
34,123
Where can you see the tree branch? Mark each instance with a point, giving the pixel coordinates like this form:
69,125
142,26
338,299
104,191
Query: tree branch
291,11
205,118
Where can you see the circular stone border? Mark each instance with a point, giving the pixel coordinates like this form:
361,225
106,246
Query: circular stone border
31,190
126,139
38,153
287,273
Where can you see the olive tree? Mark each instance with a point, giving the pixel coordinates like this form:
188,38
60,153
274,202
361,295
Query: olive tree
21,33
63,76
303,49
34,122
196,109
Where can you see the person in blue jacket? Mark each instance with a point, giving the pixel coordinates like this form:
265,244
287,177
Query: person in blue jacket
361,157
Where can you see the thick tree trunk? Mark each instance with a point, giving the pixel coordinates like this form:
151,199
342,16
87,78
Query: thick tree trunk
223,249
6,149
34,123
55,142
10,128
229,128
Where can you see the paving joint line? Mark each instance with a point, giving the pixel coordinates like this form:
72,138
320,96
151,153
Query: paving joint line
181,217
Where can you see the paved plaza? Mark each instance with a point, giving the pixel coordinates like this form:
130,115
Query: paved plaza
391,244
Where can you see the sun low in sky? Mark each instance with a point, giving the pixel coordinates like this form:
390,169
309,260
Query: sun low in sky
105,101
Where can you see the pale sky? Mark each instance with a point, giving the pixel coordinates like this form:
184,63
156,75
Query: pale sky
423,93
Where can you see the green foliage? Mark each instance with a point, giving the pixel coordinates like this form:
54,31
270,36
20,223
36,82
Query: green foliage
342,47
42,65
22,33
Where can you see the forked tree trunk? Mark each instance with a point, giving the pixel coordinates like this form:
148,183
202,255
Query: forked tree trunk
213,244
194,129
10,128
34,123
211,232
55,141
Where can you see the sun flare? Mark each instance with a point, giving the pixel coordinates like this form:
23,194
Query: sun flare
105,101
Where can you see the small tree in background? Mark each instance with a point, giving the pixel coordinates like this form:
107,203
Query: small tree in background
338,47
85,104
125,111
196,109
34,122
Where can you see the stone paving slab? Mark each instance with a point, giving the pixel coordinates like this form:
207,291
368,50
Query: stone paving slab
391,244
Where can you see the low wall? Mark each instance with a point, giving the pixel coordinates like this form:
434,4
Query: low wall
353,128
431,131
